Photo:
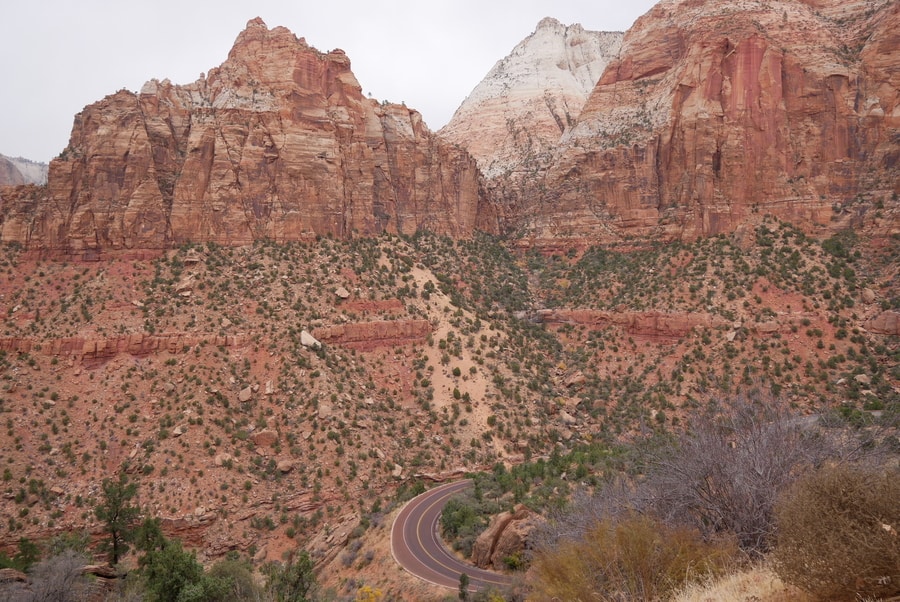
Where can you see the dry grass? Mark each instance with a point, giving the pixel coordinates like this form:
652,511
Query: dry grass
759,584
633,558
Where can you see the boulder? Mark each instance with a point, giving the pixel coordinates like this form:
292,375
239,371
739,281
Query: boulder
567,418
576,380
223,459
308,340
186,284
264,438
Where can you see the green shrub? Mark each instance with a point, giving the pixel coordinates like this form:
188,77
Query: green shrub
837,533
293,581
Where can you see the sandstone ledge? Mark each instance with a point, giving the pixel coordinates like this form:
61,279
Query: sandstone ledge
370,335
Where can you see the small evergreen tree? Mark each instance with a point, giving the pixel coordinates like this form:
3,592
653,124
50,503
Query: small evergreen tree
463,587
118,514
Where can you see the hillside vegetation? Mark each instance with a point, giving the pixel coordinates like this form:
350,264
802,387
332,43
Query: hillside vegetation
197,373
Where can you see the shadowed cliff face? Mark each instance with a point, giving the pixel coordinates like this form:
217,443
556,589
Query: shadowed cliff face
278,142
715,112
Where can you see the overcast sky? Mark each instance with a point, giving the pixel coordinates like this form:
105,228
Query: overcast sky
61,55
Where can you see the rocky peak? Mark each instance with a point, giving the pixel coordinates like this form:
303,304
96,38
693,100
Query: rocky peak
529,98
277,142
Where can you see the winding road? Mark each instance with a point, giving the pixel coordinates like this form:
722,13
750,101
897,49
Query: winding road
417,546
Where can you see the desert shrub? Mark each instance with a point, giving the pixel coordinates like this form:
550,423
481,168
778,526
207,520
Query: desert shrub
76,542
56,579
633,557
59,579
172,573
238,575
728,469
838,533
292,581
462,519
28,553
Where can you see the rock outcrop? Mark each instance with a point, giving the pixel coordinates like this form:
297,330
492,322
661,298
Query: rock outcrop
717,111
507,538
9,173
887,322
652,324
138,344
513,119
278,142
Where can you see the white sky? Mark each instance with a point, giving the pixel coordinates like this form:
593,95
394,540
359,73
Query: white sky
60,55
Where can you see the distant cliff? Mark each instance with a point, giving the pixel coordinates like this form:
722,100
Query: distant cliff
513,120
15,171
707,115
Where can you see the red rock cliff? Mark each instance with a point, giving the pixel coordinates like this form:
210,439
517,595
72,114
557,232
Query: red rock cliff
715,111
278,142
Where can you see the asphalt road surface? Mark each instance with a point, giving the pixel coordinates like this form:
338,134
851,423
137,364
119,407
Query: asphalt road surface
417,546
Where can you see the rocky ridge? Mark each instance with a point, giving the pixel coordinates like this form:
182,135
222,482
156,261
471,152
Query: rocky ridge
707,117
278,142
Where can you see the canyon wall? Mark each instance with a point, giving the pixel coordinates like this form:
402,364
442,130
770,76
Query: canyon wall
718,111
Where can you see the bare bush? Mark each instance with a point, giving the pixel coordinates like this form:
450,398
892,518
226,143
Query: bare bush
729,468
57,579
838,533
723,475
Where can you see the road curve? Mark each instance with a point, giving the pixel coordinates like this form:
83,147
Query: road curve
417,546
